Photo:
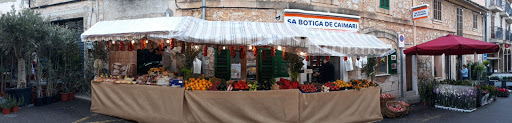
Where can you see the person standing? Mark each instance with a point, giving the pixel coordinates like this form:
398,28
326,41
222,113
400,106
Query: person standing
326,71
464,72
167,61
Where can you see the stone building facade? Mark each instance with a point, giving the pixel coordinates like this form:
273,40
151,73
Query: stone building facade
384,23
499,21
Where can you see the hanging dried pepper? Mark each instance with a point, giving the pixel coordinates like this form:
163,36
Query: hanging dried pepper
121,46
255,51
232,51
108,44
205,50
161,44
172,43
273,51
284,53
242,52
143,46
307,57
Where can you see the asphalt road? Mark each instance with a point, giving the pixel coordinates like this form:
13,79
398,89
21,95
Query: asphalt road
499,111
77,111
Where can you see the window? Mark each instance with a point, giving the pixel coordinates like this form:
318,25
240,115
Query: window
387,64
384,4
382,66
459,22
475,21
437,9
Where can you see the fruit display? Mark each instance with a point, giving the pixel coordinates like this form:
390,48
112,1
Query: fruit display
156,70
240,85
358,84
265,85
197,84
308,88
342,84
387,96
287,84
396,108
332,86
253,86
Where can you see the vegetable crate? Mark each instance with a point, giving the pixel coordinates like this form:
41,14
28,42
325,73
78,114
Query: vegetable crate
388,112
383,101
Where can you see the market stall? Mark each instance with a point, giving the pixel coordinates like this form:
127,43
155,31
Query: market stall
231,98
459,95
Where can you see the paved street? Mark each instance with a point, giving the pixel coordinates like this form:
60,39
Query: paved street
497,112
77,111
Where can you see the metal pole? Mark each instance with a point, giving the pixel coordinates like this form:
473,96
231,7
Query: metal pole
401,73
204,10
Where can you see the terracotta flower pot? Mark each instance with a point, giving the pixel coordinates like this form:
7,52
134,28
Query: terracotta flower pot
64,97
6,111
15,109
71,95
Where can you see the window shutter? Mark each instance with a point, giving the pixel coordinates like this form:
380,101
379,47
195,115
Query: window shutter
384,4
391,62
223,65
280,65
265,65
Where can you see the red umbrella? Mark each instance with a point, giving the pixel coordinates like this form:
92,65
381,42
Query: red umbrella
452,45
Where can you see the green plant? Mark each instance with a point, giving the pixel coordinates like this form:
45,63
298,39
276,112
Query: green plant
486,62
426,90
21,33
295,64
494,78
187,73
370,68
477,71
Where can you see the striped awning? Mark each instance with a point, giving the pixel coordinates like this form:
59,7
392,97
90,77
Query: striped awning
349,44
245,33
161,27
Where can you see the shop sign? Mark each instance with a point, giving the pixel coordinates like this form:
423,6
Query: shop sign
420,12
322,20
485,56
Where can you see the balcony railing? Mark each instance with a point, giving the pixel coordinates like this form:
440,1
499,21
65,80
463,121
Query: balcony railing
497,33
498,3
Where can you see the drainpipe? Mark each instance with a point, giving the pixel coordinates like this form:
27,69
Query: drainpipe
204,10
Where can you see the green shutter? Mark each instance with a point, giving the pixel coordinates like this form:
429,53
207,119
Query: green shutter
280,65
223,65
391,62
265,65
384,4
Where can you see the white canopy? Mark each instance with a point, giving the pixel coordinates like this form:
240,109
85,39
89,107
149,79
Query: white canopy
161,27
349,44
190,29
245,33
